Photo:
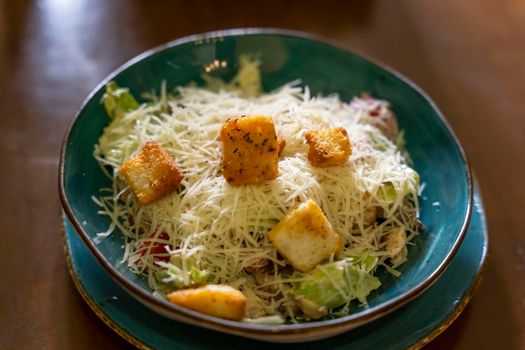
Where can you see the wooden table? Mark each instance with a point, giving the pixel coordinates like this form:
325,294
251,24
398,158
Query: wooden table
468,55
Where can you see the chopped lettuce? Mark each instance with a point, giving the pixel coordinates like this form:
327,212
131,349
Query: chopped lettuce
178,278
366,263
387,192
334,284
117,142
118,101
412,182
198,277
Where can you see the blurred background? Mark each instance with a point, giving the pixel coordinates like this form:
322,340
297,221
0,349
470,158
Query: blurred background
469,56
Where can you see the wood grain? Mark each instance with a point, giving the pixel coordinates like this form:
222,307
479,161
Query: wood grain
468,55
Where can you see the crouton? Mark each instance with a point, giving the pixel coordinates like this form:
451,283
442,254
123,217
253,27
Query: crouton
151,174
305,237
282,144
250,152
328,147
215,300
395,241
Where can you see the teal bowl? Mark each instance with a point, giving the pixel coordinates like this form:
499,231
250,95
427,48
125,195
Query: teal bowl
437,155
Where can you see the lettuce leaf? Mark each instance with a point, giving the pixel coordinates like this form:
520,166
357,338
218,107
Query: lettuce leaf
334,284
176,277
118,101
387,192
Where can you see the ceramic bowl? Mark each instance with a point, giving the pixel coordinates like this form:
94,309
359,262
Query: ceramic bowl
286,56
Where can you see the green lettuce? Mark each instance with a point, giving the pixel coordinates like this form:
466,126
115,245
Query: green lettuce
334,284
388,192
177,278
118,101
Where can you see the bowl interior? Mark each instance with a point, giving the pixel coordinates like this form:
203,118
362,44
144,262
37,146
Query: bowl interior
325,69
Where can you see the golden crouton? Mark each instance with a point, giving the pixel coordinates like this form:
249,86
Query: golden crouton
215,300
328,147
395,241
251,150
282,144
151,174
305,237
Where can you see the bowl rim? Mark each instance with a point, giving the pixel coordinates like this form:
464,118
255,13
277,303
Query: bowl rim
236,327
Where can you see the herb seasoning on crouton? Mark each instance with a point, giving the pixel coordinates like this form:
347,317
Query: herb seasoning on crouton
328,147
151,174
250,150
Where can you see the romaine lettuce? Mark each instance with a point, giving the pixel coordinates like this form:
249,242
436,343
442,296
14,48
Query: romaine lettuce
118,101
334,284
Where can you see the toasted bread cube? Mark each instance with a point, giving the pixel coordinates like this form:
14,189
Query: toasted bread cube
282,143
250,153
328,147
215,300
305,237
151,174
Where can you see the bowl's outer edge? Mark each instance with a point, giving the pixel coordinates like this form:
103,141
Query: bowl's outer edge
176,312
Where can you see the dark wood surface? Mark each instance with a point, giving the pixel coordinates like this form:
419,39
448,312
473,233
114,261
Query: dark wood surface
468,55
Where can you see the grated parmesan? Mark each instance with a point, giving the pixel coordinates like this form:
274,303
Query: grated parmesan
222,229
